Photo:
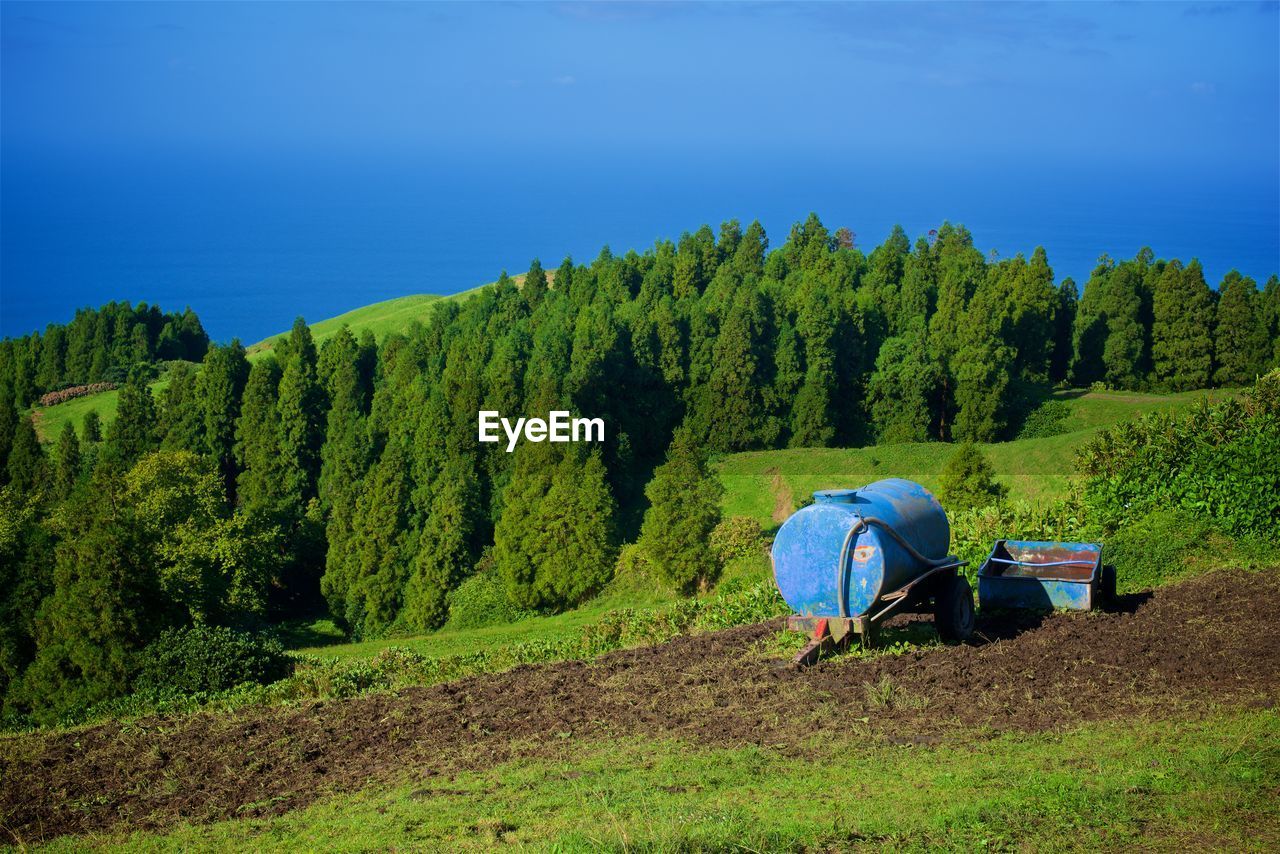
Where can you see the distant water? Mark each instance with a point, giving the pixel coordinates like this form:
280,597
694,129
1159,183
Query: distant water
250,245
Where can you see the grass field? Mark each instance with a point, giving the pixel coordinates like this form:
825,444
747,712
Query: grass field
1207,782
381,318
761,484
50,420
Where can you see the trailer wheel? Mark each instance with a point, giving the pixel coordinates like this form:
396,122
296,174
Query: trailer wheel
1107,584
953,614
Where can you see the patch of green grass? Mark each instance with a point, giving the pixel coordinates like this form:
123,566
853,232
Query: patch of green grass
51,419
1034,470
1210,783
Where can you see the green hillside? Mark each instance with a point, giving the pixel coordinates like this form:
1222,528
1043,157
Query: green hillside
767,484
382,318
49,420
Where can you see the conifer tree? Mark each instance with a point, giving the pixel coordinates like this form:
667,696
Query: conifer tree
133,433
68,462
968,480
983,369
447,547
1181,336
92,427
1064,318
344,461
380,546
683,510
1126,339
1271,318
731,405
220,387
8,431
301,407
26,466
1240,332
260,488
535,284
902,391
181,426
1089,331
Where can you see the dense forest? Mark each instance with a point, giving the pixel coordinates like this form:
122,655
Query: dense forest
348,477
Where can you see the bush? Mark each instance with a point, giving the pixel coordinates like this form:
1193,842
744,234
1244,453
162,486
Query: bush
1154,549
210,658
1047,419
53,398
1219,462
737,536
481,600
968,480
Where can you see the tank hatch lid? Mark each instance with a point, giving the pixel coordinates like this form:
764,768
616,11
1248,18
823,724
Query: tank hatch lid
835,496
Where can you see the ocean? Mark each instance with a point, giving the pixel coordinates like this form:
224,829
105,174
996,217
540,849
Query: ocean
250,243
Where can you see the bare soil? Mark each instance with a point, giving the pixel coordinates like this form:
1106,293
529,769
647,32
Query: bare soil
1209,641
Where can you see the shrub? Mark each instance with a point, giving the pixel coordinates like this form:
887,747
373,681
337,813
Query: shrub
1219,462
1153,549
968,479
1047,419
481,600
210,658
53,398
737,536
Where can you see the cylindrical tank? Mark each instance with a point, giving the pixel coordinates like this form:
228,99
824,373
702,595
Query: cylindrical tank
806,551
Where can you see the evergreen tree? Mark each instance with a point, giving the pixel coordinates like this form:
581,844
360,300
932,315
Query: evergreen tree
68,462
535,284
1271,317
380,546
982,373
8,431
133,433
447,548
1181,337
92,427
1126,341
181,425
1064,318
1089,331
344,461
27,467
220,387
105,606
260,488
683,510
968,480
301,407
1241,348
902,391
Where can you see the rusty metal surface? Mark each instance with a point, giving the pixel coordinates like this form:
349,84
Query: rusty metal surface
1041,575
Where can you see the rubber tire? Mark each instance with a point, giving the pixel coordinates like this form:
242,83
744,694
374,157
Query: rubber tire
954,615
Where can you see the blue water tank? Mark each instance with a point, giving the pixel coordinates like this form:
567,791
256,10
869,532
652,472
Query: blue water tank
807,548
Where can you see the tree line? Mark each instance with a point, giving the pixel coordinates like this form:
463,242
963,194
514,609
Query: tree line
347,476
98,345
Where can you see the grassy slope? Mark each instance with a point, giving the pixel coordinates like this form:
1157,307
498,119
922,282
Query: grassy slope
1208,783
50,419
1033,469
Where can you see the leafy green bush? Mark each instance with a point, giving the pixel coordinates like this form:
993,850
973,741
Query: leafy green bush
974,531
1219,462
481,600
737,536
1047,419
1154,549
968,480
210,658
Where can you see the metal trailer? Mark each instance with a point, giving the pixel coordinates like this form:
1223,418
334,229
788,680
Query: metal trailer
1045,575
855,557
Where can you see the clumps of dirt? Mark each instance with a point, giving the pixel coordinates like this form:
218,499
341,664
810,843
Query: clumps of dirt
1210,640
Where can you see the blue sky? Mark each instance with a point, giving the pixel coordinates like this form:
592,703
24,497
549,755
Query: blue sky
1138,82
